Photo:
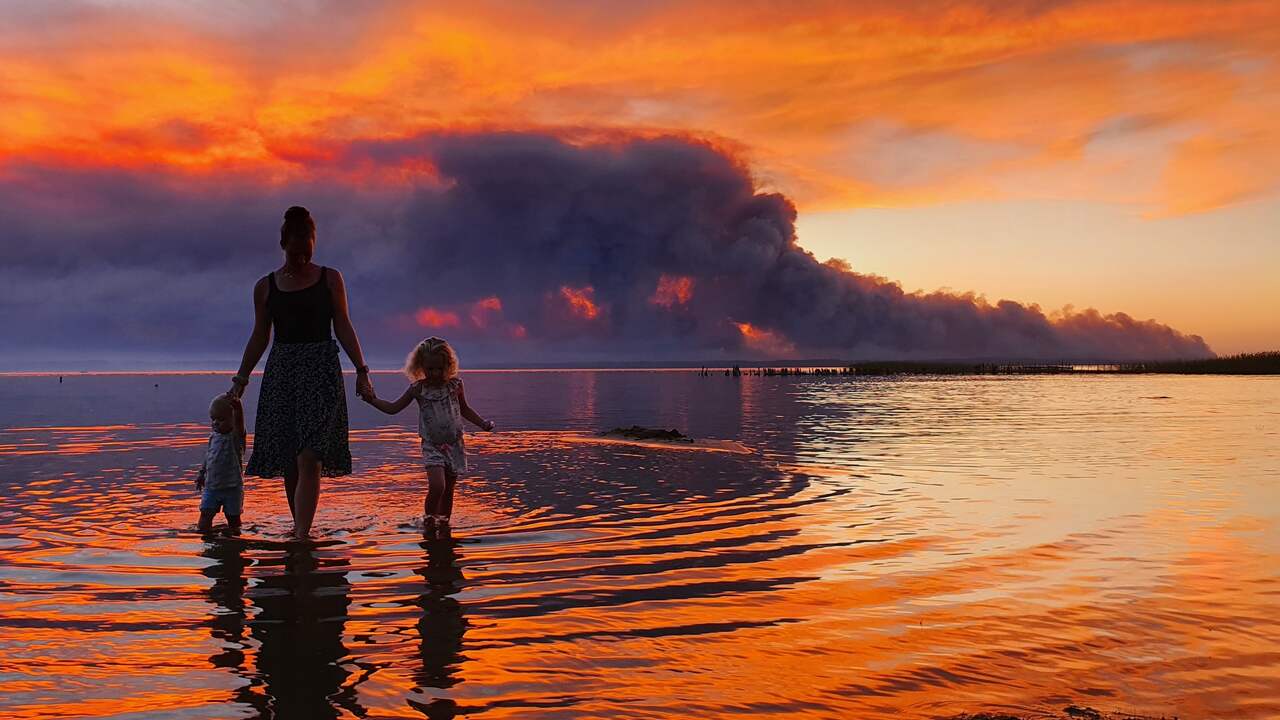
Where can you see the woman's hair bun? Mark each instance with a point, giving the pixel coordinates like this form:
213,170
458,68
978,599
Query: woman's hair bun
297,223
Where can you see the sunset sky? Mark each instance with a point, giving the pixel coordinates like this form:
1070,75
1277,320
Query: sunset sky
1123,156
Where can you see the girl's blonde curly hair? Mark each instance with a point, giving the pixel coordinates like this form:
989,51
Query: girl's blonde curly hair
415,363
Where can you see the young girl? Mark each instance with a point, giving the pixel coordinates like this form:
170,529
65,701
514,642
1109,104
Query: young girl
432,367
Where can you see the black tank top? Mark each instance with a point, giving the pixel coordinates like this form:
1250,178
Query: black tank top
301,316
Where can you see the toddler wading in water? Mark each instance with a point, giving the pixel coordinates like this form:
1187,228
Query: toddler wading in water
432,368
221,481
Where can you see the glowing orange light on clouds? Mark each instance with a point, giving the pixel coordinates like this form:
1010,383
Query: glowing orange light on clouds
429,317
482,310
765,342
842,104
580,301
483,316
672,290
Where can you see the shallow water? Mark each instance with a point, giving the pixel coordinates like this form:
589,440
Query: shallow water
912,547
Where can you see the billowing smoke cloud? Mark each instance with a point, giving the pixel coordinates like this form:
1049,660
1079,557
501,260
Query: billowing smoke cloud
519,246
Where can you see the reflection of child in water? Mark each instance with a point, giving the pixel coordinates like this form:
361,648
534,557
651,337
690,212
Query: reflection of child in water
432,367
220,478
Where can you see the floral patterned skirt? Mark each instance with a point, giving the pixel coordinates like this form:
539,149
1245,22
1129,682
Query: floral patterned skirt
452,456
302,404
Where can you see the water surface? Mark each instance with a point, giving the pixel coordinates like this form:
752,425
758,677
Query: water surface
906,547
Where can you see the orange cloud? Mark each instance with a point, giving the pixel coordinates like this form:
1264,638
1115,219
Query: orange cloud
1158,102
482,310
432,318
672,290
581,301
765,342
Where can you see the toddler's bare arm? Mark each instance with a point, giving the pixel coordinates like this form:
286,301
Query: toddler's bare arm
392,407
471,415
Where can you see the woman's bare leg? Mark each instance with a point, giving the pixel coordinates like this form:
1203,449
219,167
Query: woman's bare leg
291,487
307,495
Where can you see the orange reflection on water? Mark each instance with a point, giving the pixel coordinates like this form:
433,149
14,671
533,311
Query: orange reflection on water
894,548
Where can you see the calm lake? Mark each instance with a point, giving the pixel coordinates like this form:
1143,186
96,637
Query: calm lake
889,547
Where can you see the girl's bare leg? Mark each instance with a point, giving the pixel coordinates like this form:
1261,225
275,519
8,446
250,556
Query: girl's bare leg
435,490
451,480
307,495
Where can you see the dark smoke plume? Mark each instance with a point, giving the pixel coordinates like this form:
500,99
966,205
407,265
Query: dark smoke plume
521,246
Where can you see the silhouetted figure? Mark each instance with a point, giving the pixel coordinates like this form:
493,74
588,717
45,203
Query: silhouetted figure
228,620
302,612
227,595
221,481
300,432
440,628
432,369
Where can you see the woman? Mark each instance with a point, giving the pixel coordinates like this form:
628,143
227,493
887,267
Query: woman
301,428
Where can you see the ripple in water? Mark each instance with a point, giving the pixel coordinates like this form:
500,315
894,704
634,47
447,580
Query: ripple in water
888,548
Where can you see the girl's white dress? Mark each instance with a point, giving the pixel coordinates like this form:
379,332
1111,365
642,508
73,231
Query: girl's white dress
440,425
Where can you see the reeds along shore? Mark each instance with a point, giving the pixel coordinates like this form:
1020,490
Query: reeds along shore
1263,363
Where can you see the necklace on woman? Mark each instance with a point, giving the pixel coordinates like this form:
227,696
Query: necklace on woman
288,273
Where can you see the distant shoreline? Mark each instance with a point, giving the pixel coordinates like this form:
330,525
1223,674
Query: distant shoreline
1266,363
1262,363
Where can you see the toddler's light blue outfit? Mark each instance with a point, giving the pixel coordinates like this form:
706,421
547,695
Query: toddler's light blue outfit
223,479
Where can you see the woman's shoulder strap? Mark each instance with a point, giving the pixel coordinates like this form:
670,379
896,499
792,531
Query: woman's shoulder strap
271,281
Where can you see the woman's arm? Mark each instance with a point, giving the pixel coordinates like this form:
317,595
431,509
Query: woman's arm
347,334
258,339
392,407
468,413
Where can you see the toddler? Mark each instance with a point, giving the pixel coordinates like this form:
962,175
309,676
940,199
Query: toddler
220,478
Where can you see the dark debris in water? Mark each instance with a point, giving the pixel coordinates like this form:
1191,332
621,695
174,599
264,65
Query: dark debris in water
636,432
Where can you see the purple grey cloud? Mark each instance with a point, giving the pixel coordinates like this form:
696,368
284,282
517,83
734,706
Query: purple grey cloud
137,263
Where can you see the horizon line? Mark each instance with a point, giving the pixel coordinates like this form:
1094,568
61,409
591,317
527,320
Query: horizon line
671,366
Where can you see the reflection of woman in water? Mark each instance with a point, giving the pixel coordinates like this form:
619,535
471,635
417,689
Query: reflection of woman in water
299,627
440,628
